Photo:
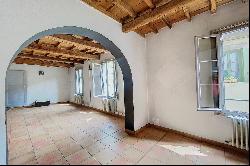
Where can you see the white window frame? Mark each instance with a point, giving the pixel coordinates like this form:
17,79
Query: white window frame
220,73
221,109
106,80
77,80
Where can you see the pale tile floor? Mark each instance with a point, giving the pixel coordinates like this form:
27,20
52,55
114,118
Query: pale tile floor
64,134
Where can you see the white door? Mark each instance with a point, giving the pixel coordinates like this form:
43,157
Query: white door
16,88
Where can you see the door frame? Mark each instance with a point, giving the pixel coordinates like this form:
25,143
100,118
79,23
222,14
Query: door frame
24,88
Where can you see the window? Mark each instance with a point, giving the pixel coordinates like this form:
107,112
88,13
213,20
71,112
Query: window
79,81
97,79
222,65
104,79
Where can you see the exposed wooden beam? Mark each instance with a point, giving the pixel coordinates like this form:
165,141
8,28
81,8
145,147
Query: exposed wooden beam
156,14
153,28
162,2
45,49
20,60
167,23
100,8
77,42
213,6
49,58
149,3
187,13
125,7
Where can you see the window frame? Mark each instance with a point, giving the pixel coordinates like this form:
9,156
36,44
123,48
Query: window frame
77,80
107,96
220,73
219,46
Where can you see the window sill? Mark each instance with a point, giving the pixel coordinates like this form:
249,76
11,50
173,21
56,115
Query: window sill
104,97
226,113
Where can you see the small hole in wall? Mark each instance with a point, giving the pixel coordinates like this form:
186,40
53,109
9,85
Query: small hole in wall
41,73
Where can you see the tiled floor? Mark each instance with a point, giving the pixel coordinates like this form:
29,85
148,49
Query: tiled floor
64,134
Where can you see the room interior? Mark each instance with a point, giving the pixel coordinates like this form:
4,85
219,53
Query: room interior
116,82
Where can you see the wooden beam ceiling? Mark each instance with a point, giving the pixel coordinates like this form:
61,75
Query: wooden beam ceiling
139,16
47,49
149,3
155,15
213,6
60,51
125,7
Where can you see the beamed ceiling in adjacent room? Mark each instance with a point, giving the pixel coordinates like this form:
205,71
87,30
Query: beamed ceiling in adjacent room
61,50
146,16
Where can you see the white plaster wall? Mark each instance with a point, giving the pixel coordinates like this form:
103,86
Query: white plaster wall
20,20
52,86
172,74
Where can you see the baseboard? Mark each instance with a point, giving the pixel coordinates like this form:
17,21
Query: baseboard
99,110
137,131
203,140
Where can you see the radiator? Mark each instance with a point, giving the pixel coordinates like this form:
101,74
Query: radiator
79,99
240,133
110,105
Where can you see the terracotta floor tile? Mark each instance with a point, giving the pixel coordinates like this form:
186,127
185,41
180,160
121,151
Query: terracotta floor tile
132,155
64,134
23,159
149,161
50,158
78,157
95,148
90,161
105,156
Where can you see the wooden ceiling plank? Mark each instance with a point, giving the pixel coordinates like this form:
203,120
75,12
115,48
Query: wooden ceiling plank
156,14
100,8
187,13
167,23
61,52
149,3
20,60
125,7
70,40
50,58
213,6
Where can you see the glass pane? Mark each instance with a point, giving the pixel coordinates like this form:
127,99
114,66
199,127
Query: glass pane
207,49
236,70
97,80
77,81
209,96
111,78
209,73
104,79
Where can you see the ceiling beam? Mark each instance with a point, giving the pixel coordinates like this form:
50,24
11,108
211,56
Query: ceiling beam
149,3
156,14
20,60
153,28
187,13
45,49
49,58
213,6
125,7
100,8
166,22
77,42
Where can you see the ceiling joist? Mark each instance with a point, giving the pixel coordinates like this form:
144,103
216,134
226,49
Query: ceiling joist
45,49
149,3
155,15
30,56
125,7
213,6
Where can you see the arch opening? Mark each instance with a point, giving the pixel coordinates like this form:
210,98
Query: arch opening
108,45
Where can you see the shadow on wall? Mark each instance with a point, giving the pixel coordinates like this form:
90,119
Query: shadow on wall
110,46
